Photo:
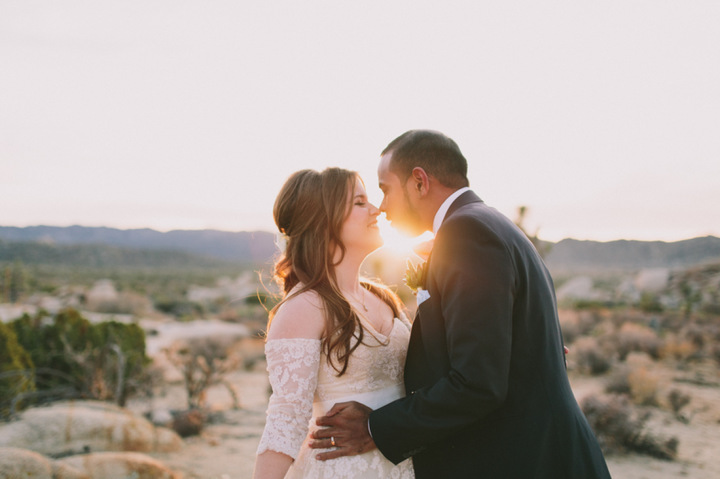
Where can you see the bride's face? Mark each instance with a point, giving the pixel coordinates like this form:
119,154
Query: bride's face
360,231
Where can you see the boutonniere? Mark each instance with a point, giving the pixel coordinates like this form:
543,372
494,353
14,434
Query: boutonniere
415,275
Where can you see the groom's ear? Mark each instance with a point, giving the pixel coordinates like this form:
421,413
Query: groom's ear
421,181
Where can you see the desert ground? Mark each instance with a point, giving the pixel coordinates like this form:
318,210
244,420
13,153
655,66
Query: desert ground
226,447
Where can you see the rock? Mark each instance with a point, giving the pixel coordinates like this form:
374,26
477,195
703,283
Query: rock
73,427
15,463
167,440
580,287
161,416
66,471
120,465
652,280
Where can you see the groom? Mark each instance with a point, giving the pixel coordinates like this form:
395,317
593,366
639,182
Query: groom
487,389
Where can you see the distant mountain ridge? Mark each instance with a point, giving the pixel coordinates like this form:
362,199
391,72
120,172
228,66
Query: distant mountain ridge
576,256
101,256
243,246
568,256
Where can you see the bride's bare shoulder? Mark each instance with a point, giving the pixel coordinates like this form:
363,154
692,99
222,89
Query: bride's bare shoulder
301,316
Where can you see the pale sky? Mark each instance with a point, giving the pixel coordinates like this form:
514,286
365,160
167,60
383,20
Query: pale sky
603,117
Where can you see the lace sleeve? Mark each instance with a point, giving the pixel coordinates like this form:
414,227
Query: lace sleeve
292,365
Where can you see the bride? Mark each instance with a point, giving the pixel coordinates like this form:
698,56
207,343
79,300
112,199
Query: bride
333,337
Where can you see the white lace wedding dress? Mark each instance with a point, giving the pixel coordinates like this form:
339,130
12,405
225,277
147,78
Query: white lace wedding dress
305,386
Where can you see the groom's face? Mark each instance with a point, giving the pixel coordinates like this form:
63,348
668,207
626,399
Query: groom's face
397,203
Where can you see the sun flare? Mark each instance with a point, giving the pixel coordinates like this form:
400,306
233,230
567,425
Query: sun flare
398,244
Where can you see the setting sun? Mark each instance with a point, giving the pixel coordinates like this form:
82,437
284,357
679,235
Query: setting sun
398,244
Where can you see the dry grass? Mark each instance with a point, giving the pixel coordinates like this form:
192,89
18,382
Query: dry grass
633,337
589,357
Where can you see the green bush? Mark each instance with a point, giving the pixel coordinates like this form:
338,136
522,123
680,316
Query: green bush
100,361
650,303
52,345
121,347
16,368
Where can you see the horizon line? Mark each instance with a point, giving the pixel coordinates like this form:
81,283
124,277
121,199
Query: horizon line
259,230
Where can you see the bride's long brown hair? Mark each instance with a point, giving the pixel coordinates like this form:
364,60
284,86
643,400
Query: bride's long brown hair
310,211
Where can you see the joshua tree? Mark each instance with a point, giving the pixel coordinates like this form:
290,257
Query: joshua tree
542,247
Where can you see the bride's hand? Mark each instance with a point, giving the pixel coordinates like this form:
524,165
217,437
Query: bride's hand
344,428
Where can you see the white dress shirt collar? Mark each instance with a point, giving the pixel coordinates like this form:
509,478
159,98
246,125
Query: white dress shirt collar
442,211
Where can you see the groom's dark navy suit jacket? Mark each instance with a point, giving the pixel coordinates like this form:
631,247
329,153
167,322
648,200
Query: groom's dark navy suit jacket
487,389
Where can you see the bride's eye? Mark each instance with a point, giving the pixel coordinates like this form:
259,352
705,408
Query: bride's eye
360,203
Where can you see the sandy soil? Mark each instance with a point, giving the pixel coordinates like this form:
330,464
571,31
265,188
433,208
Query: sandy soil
699,438
226,448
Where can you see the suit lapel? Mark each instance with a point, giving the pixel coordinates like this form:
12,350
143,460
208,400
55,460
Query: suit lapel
464,199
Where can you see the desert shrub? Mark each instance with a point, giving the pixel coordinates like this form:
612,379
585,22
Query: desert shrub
591,304
14,279
703,335
570,331
650,303
127,302
675,347
203,363
621,429
677,400
188,423
179,308
50,340
715,353
643,386
98,361
569,325
635,380
118,360
712,307
589,357
16,377
635,337
575,323
617,382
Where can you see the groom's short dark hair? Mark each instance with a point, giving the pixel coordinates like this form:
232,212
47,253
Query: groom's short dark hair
432,151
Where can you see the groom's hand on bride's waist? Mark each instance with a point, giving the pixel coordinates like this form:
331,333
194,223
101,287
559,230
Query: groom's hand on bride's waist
344,430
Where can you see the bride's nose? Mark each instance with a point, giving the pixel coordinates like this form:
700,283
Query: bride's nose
374,211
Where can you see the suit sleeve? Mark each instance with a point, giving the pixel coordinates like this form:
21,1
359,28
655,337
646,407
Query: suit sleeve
472,273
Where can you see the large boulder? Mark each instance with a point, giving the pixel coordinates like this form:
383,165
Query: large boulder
120,465
73,427
16,463
580,287
652,280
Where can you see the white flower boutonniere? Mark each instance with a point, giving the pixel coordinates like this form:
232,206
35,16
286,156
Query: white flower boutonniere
416,273
415,276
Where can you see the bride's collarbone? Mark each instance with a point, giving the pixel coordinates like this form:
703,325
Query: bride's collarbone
379,316
372,311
